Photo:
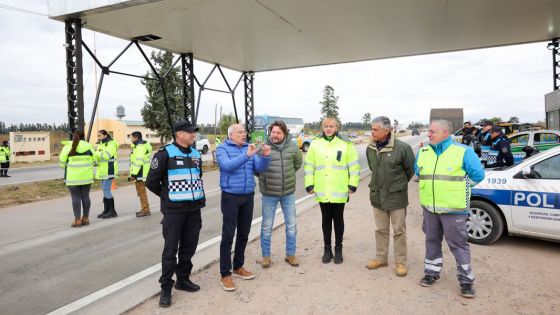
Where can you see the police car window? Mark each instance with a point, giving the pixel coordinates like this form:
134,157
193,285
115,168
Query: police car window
519,140
548,169
546,138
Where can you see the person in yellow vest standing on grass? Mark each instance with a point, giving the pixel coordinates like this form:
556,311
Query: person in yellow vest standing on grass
332,172
139,168
5,154
107,170
76,158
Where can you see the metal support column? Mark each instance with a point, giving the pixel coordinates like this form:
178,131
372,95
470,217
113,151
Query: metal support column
74,74
554,46
187,65
249,102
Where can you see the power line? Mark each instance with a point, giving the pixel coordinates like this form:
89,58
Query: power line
7,7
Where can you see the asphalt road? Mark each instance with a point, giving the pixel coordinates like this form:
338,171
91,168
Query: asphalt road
46,264
53,171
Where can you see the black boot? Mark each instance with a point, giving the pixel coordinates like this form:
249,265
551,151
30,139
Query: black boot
338,254
165,297
328,255
186,284
105,208
111,213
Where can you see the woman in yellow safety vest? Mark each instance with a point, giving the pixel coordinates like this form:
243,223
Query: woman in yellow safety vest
332,172
107,170
76,158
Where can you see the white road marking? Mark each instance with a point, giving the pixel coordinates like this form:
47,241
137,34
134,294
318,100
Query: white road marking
97,295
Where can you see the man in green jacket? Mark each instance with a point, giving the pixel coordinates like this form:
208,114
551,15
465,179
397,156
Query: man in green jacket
139,168
277,185
392,166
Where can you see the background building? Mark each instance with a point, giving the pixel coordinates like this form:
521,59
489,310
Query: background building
120,130
30,146
552,109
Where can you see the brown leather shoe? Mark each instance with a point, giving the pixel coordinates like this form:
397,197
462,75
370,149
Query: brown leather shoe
85,221
375,263
243,274
227,283
266,262
140,214
77,223
400,270
292,260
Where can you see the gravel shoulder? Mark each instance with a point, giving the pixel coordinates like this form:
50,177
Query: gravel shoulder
513,276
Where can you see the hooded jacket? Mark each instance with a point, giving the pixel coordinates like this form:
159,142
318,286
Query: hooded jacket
279,179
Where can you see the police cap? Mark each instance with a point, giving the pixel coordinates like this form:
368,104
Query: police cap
184,126
496,129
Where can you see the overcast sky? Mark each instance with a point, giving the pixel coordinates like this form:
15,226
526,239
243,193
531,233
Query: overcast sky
506,81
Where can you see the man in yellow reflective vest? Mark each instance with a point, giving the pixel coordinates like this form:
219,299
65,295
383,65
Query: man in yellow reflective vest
5,154
139,168
447,170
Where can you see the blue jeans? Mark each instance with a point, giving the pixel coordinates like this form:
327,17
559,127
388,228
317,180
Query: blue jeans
288,204
106,185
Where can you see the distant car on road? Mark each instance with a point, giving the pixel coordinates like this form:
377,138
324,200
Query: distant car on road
523,199
352,134
202,144
415,132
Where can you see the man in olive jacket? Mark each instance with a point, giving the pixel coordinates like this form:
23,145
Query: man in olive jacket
392,166
277,185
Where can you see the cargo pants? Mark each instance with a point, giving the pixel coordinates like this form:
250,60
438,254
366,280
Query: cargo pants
454,228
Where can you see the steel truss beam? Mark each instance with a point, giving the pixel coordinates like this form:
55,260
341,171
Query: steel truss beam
187,66
74,74
249,102
554,46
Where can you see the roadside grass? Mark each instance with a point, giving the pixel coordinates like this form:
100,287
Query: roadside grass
13,195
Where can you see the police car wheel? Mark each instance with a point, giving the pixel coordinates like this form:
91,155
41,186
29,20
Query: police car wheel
485,224
205,149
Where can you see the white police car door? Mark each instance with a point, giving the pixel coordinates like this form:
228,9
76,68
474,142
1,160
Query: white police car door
536,200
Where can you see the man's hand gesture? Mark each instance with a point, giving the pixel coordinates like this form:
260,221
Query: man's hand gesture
265,150
251,150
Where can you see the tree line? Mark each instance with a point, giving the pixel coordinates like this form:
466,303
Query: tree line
5,129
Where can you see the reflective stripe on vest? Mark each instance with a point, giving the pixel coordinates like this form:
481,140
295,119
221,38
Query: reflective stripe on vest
183,174
79,169
443,182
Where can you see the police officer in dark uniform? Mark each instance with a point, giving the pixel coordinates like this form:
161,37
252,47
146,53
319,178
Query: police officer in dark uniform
484,137
175,176
500,148
468,133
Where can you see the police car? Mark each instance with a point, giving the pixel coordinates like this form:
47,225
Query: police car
540,140
523,199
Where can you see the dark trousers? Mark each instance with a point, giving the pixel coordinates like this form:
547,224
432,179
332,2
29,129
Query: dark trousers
4,168
237,211
181,232
80,198
333,213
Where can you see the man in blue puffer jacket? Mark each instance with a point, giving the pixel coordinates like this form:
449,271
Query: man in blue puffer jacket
238,163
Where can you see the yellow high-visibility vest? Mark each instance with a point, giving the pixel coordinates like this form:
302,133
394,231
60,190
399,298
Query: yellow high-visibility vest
331,166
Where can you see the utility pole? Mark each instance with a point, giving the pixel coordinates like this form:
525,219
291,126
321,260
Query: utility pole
215,120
